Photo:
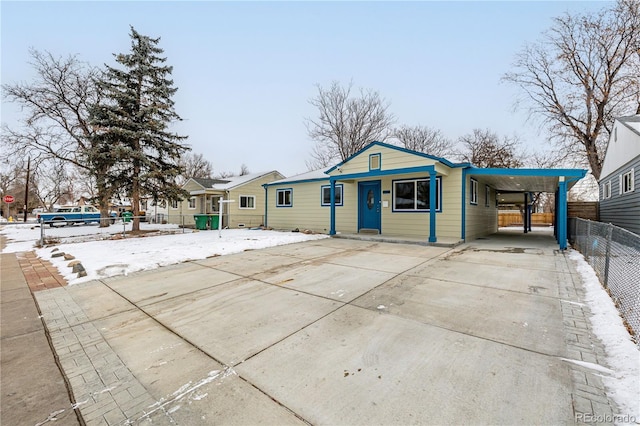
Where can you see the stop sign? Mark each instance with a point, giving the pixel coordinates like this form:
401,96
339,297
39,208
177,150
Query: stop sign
8,199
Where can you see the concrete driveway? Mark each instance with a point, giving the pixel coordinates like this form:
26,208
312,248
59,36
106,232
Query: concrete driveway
334,331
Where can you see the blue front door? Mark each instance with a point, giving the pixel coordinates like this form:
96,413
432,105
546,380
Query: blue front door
369,205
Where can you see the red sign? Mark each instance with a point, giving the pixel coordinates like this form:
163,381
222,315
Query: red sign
8,199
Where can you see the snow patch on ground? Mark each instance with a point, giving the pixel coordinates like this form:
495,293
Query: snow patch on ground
104,257
623,356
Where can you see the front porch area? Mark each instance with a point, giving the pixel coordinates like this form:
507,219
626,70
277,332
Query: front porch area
401,239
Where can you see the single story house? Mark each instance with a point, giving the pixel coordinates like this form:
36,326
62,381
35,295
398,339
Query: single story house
619,199
245,194
386,189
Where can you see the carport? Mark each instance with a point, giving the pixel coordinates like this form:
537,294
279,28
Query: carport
522,183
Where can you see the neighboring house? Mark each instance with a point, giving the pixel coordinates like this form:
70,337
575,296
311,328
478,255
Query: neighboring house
385,189
154,212
246,194
619,197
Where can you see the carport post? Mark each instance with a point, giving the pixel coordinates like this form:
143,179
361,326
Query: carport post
525,216
332,228
562,213
432,206
529,208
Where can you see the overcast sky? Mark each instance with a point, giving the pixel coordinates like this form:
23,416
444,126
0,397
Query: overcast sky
246,70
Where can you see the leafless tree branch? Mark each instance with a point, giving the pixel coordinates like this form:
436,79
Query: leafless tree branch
346,123
580,76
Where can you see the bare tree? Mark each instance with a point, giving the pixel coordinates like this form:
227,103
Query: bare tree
51,182
346,123
483,148
195,166
224,175
424,139
244,170
580,76
55,124
11,183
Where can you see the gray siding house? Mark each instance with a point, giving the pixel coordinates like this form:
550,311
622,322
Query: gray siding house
619,196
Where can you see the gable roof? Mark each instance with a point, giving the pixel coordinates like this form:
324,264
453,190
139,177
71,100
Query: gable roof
208,183
315,175
232,181
401,149
632,122
623,146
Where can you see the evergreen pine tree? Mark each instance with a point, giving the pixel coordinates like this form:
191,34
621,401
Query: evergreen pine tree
132,138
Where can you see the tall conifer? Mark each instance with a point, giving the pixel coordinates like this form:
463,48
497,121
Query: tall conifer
132,125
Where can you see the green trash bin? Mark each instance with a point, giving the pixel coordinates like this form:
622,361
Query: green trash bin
214,221
202,221
126,217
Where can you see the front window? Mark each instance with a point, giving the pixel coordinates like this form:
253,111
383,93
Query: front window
284,197
474,191
247,202
413,195
174,204
326,195
192,203
626,182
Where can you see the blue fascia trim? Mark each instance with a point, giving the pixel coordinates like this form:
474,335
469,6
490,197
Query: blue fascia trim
290,182
399,148
377,173
463,234
332,195
284,205
528,172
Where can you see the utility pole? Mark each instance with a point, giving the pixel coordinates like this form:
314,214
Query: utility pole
26,190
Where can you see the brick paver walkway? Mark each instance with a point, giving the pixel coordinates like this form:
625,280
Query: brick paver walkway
40,274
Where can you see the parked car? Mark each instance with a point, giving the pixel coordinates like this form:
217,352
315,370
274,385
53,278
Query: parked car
70,215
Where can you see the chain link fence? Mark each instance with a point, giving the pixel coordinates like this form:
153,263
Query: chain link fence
614,254
121,226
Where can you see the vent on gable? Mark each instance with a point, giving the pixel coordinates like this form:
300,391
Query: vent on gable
374,162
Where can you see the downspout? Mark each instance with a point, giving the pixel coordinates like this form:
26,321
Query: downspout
266,203
525,214
332,224
529,209
433,187
555,215
463,233
228,210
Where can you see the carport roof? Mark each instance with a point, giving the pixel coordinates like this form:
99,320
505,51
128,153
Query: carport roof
527,180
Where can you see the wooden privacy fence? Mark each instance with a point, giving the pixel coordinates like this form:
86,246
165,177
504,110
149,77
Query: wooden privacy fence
515,219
